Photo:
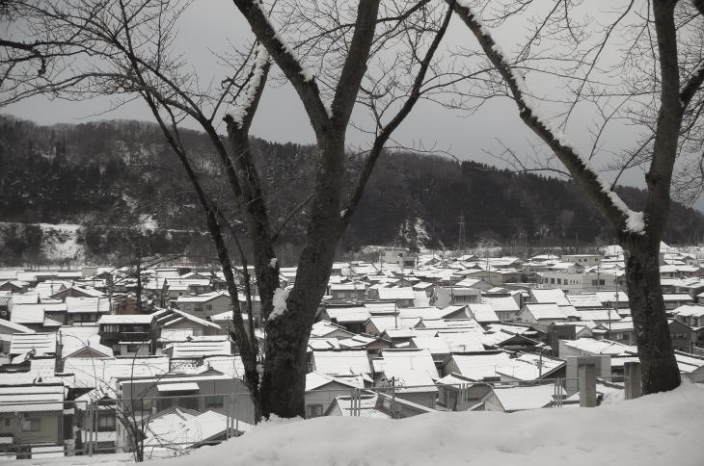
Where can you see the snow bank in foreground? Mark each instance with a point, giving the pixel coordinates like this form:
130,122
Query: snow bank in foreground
657,429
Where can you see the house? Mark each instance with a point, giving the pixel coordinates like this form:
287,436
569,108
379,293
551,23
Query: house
364,405
555,296
13,286
477,366
83,310
401,296
204,305
444,296
506,308
509,399
691,366
177,325
585,301
207,391
506,339
542,314
355,291
461,340
475,283
81,342
32,420
598,316
613,299
351,318
482,313
34,344
529,367
673,301
176,431
621,331
38,316
75,291
96,418
198,347
340,363
327,329
321,391
128,333
458,393
686,338
376,325
411,373
591,347
563,275
7,328
377,405
92,372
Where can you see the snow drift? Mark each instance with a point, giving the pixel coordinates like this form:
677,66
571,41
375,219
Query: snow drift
657,429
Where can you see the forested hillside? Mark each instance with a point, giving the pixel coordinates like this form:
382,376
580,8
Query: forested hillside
109,177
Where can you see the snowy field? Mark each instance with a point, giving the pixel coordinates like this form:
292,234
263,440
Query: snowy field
662,429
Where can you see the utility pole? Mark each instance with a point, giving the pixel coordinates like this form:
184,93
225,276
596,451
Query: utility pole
461,237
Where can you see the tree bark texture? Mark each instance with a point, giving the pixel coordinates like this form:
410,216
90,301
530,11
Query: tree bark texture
283,384
658,364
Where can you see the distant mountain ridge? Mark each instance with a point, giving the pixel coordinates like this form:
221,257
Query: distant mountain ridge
118,180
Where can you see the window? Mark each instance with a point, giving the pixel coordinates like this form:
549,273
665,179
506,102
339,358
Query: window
214,402
208,307
30,424
314,411
7,422
106,422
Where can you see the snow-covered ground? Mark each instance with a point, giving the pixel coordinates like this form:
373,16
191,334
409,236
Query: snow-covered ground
661,429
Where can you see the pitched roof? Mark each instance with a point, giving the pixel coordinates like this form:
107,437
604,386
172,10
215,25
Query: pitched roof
314,381
172,316
546,311
348,314
7,326
341,362
689,310
39,343
483,313
92,372
114,319
87,305
27,313
501,303
33,398
592,346
518,398
477,366
556,296
385,322
199,347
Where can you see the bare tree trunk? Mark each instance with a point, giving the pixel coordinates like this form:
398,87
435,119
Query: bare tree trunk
283,384
659,367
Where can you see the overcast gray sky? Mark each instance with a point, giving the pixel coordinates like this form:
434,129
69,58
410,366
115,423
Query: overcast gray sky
207,25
